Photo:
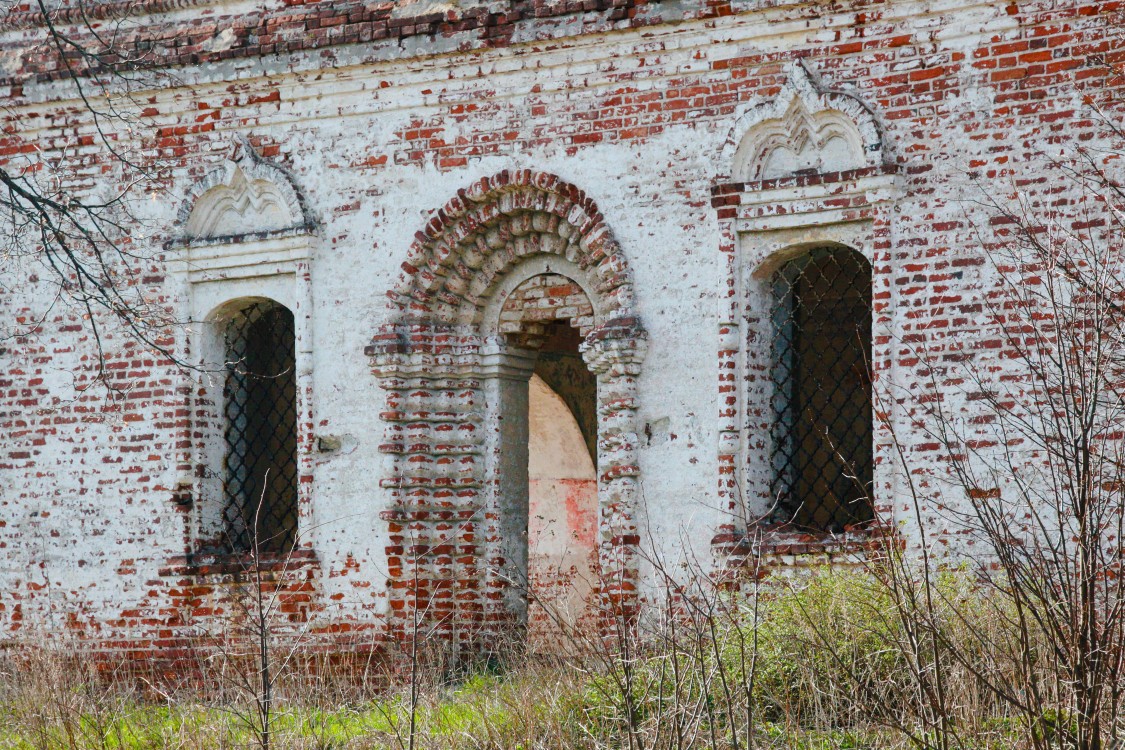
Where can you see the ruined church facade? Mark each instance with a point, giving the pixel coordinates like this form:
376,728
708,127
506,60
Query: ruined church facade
488,308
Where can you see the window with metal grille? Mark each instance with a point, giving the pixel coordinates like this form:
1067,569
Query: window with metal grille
260,411
822,432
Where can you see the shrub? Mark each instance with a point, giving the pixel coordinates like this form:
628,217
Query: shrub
827,650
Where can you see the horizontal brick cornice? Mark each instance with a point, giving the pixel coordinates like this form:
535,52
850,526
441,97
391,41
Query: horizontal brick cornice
22,18
296,27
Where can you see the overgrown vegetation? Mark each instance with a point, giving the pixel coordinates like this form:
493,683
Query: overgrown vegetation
819,661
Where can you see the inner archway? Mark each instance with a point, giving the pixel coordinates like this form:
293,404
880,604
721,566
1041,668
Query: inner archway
562,483
562,520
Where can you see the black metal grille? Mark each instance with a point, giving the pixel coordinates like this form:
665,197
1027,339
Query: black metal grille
261,430
822,454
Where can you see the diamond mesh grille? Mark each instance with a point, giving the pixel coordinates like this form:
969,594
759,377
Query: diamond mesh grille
261,430
822,460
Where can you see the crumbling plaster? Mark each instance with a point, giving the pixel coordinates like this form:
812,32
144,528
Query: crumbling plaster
378,138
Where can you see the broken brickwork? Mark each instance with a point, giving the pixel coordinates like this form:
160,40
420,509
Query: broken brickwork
434,195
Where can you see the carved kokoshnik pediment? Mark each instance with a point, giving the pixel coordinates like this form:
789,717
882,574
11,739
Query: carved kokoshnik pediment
245,219
810,154
245,196
805,129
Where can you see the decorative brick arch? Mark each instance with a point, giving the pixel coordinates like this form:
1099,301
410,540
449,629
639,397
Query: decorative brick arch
476,237
452,372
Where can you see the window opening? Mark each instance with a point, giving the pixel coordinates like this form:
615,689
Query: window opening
821,404
260,411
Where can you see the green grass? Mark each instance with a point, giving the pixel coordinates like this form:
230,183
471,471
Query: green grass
830,675
482,711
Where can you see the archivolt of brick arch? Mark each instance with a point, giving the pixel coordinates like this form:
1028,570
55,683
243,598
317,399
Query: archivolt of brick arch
455,362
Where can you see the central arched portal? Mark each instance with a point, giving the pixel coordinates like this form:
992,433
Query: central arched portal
511,356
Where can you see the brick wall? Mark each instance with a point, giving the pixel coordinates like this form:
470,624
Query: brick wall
382,125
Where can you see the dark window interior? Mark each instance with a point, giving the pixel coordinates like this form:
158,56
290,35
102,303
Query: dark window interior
261,430
822,432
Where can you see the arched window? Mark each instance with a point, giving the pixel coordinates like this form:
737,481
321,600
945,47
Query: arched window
822,432
260,412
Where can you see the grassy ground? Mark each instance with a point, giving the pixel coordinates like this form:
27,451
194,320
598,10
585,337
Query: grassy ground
540,708
816,666
549,711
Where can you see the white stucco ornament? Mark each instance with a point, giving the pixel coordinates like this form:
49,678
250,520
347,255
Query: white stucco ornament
805,129
245,195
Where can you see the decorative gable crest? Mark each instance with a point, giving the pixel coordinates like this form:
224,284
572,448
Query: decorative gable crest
246,195
805,129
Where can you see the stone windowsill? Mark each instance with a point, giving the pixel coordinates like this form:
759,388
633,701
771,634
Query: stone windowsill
236,563
783,539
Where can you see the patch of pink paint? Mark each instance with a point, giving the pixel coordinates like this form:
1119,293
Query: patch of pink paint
581,500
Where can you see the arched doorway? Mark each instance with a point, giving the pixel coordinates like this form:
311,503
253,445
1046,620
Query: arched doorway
469,322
